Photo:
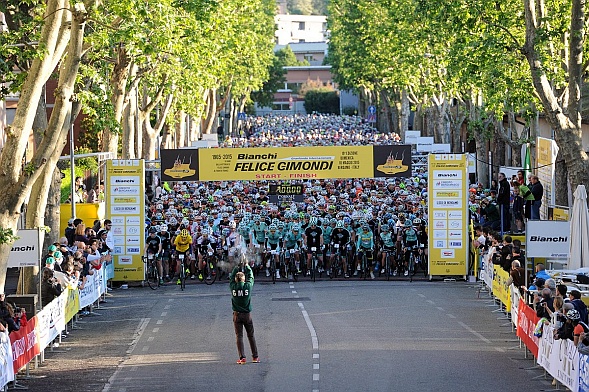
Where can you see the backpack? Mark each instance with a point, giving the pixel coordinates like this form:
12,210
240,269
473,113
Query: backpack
582,309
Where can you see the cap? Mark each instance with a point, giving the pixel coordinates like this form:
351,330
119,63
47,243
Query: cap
71,221
52,248
49,260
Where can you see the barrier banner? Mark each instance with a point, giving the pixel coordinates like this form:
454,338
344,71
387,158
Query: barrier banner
25,344
285,163
72,303
91,291
515,297
583,373
51,320
6,368
560,358
448,214
500,287
487,271
526,323
125,205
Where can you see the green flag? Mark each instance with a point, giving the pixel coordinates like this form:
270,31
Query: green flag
527,165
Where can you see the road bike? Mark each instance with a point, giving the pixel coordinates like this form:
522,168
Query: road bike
152,275
210,269
336,262
182,272
314,263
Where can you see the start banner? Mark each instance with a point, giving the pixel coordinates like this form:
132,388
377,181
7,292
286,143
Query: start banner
285,163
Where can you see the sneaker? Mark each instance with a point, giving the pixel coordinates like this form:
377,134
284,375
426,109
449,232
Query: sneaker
161,281
178,281
356,273
406,273
308,273
200,277
192,277
371,275
382,271
209,277
395,273
346,275
211,266
327,272
187,271
241,361
277,275
376,267
256,359
167,278
267,273
358,267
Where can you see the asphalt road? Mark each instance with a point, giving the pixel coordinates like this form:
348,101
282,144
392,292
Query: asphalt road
323,336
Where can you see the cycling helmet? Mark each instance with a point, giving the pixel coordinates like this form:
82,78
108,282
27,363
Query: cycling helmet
347,220
225,215
365,227
163,228
272,227
159,216
152,230
408,223
232,224
184,233
226,232
313,221
339,224
573,315
416,221
281,225
385,227
205,231
295,228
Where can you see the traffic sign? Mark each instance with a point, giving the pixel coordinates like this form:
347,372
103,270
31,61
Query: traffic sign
371,117
241,116
372,109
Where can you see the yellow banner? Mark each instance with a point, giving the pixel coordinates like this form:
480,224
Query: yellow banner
285,163
125,187
448,214
72,304
500,287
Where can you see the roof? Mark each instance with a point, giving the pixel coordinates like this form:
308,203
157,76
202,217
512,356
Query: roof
305,47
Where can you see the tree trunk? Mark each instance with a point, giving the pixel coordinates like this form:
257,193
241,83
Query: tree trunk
180,126
210,112
128,125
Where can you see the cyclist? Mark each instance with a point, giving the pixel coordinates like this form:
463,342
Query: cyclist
340,237
313,238
364,244
207,242
166,240
410,243
233,242
258,237
154,248
328,226
182,243
293,240
272,242
387,242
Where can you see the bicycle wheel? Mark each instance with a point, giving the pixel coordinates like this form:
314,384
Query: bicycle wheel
211,271
411,267
423,262
182,276
273,269
313,268
364,265
387,266
152,276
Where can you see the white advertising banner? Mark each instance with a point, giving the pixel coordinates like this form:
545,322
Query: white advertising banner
560,358
51,321
6,367
515,296
547,239
488,272
94,287
26,250
412,137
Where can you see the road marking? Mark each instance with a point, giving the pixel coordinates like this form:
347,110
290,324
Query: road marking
316,356
429,301
315,366
150,339
164,314
159,322
294,291
421,295
439,308
167,307
451,315
315,344
145,348
475,333
315,378
156,330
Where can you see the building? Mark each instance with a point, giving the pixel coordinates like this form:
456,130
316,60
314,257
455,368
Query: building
300,28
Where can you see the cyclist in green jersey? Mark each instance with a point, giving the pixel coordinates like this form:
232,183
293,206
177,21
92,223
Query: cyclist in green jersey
272,243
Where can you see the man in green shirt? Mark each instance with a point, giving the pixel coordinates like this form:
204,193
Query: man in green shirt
241,285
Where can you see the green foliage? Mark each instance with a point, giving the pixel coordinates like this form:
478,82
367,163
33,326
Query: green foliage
307,7
321,102
7,236
350,110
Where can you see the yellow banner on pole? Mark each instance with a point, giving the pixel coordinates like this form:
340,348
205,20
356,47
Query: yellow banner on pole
125,187
500,287
448,214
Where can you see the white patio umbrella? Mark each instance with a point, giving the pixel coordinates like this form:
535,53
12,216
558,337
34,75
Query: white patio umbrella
579,249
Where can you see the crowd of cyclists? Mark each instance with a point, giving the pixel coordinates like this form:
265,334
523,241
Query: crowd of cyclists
341,228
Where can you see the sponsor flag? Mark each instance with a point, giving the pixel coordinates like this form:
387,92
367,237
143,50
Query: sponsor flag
527,164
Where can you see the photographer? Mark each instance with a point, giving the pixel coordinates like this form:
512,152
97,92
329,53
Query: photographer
50,287
8,317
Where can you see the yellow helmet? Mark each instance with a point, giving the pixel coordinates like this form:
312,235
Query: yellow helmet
185,233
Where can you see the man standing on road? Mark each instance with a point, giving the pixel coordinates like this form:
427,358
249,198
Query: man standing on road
241,291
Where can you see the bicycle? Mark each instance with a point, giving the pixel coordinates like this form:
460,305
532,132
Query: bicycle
412,262
152,275
335,261
388,267
210,269
182,272
291,267
314,263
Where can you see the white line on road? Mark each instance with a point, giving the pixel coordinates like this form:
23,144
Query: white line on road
429,301
150,339
159,322
294,291
167,307
475,333
164,314
421,295
156,330
451,315
315,366
439,308
315,343
145,348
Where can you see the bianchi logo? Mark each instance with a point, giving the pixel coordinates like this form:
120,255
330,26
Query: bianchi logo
536,238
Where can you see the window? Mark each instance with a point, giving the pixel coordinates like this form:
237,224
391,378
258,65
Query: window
301,25
281,106
309,57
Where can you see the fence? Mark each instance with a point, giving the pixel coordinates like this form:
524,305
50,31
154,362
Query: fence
19,348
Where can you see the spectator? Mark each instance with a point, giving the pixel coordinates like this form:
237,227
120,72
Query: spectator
575,297
70,232
506,253
110,242
579,327
544,303
81,233
491,214
561,291
50,287
541,272
557,317
8,317
517,276
503,201
520,177
518,209
97,225
538,191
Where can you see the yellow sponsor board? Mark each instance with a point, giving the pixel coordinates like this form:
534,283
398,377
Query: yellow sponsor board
500,287
560,214
72,304
125,183
285,163
448,240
